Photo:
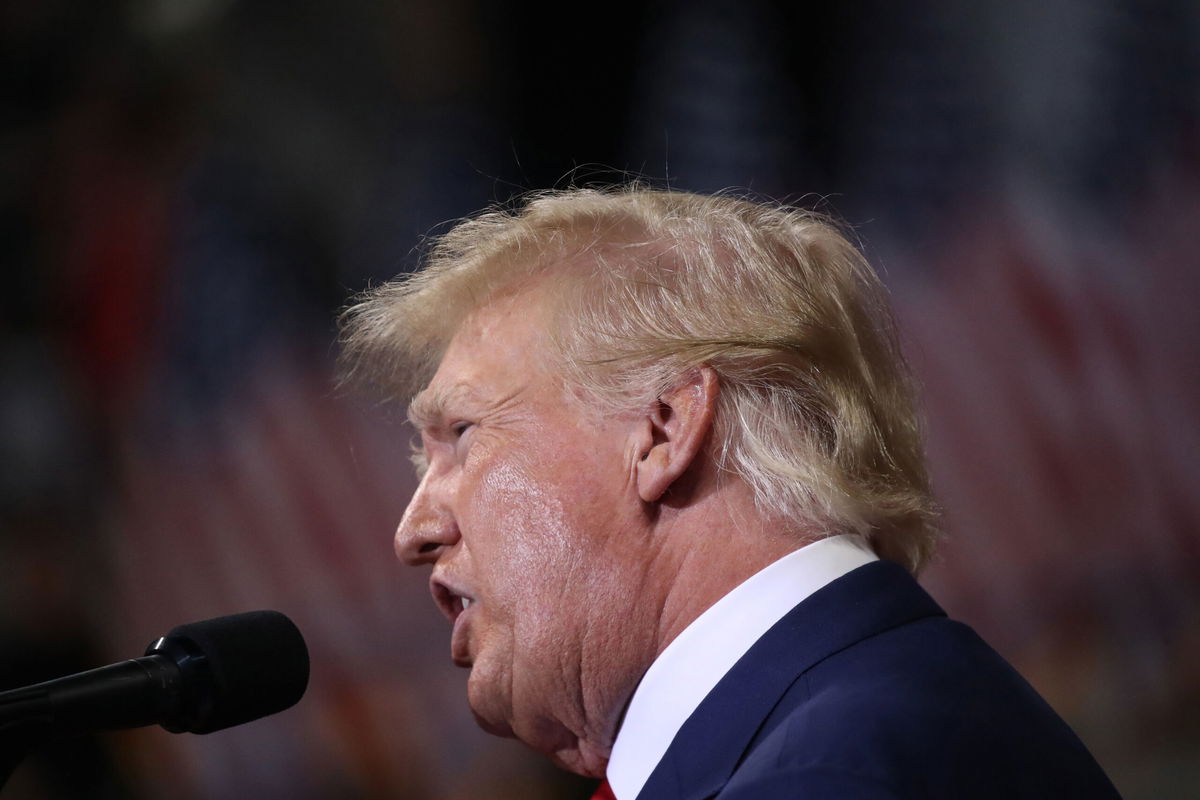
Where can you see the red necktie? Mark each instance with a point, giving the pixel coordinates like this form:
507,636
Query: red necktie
604,792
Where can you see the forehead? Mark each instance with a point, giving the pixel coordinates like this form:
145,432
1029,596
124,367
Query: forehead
497,352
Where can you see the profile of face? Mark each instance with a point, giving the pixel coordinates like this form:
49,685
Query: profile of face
528,512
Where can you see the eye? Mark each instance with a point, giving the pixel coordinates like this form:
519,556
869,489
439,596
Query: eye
459,428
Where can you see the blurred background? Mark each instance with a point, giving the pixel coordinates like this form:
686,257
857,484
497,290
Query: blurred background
191,189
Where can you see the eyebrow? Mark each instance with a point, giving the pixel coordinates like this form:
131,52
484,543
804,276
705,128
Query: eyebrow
428,408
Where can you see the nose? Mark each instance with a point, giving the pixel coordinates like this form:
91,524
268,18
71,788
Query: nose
427,529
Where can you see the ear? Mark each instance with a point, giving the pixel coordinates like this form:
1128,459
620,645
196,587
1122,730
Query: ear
678,425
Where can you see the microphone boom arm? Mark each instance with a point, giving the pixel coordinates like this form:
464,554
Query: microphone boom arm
199,678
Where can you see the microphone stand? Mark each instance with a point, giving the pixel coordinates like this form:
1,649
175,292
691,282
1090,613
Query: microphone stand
24,725
30,718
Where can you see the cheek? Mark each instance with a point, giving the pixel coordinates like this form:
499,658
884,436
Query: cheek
538,518
529,537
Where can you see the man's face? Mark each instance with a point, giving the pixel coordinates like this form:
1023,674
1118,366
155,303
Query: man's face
528,511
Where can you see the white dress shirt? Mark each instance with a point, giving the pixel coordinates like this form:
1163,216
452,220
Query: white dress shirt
691,665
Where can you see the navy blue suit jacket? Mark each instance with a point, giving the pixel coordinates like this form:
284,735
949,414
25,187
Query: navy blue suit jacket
867,690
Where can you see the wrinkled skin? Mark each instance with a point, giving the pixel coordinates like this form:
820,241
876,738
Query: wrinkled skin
585,541
528,506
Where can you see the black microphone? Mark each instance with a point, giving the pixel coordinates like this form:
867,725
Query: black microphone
199,678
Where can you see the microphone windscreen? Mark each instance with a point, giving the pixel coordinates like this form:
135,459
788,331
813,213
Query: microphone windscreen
258,664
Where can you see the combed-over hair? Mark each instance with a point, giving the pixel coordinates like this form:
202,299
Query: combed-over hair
816,408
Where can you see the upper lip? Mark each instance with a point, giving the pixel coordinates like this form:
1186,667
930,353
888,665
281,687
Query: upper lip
448,596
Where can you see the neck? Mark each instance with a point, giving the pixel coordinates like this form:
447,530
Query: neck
710,548
698,552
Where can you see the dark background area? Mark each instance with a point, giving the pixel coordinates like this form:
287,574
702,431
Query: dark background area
190,190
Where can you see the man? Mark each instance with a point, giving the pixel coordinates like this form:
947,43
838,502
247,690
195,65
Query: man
673,494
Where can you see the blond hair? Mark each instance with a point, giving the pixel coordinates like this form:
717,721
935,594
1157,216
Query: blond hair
816,409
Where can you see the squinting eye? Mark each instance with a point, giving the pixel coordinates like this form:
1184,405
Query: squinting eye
459,428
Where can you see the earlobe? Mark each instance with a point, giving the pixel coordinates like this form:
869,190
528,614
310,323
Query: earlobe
678,427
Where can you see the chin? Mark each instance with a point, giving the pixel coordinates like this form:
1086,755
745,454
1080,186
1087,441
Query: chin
502,729
486,713
537,729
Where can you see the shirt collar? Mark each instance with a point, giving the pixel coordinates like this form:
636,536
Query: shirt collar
692,664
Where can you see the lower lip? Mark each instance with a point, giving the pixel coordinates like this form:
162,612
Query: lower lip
460,646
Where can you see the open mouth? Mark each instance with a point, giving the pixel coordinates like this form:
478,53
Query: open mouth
456,605
451,600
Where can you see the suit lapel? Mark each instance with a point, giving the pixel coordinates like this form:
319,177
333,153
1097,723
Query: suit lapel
712,742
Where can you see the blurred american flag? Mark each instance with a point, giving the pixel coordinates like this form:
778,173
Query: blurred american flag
1065,448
